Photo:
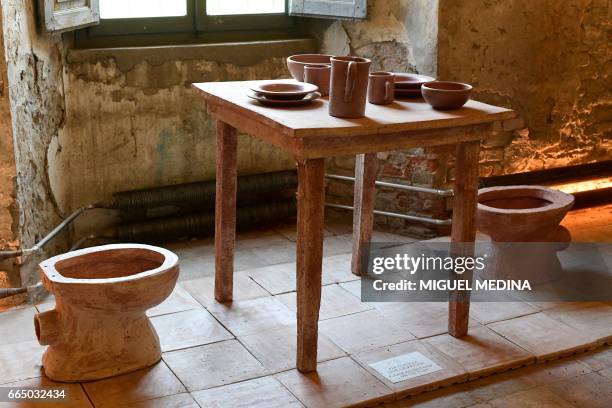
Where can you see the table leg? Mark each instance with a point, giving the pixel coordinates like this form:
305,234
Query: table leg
463,229
311,202
225,211
363,213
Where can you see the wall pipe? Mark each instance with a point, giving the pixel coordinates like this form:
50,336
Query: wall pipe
41,244
436,191
395,215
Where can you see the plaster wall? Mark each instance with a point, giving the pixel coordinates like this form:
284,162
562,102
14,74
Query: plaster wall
134,124
34,73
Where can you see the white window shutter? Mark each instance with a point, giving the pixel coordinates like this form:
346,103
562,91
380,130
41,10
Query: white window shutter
57,16
329,8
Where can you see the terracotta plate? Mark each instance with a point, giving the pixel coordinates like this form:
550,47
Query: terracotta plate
284,89
266,100
410,81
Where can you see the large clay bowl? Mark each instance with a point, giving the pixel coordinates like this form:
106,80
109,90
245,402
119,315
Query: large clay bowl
446,95
296,63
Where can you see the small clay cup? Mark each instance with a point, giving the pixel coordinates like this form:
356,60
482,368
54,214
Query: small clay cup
443,95
318,75
349,87
381,88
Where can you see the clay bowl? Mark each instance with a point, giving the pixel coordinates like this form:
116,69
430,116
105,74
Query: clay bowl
296,63
284,90
411,81
446,95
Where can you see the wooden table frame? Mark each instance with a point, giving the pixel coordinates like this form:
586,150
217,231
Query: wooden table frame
310,143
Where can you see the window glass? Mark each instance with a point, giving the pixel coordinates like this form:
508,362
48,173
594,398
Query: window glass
110,9
232,7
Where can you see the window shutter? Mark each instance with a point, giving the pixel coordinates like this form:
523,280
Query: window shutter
64,15
329,8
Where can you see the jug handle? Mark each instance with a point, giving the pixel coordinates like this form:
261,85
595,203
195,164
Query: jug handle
388,86
350,81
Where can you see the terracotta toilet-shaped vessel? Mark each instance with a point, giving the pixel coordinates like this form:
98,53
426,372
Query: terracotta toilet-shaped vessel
99,326
519,214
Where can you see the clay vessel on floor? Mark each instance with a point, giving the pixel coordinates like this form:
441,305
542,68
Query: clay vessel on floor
349,87
524,214
99,328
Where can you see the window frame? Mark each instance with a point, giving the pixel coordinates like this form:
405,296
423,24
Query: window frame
195,26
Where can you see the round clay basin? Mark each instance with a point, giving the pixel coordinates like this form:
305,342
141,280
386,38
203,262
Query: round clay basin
521,213
446,95
296,63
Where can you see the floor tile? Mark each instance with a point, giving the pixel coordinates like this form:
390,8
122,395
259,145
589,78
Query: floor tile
364,330
339,244
497,386
75,396
606,373
588,391
448,371
213,365
481,352
20,361
179,301
193,248
276,279
597,359
251,316
188,329
336,383
335,302
540,397
451,397
197,267
337,269
353,287
289,231
489,312
275,254
203,290
277,349
553,371
183,400
262,238
423,319
17,325
153,382
543,336
592,318
261,392
280,278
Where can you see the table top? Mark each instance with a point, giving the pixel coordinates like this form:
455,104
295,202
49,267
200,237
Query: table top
312,120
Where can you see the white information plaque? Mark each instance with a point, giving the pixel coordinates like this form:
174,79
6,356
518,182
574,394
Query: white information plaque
405,367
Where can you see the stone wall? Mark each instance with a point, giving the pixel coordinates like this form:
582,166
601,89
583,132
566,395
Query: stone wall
9,275
549,62
34,72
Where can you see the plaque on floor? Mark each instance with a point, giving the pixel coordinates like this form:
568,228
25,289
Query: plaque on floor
405,367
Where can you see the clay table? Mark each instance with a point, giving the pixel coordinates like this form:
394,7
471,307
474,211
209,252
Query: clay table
311,135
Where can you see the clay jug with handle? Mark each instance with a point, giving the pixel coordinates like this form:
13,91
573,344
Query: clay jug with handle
349,86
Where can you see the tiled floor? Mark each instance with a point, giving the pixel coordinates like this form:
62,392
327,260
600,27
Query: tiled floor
243,354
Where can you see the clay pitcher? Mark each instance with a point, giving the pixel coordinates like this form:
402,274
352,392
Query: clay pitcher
349,87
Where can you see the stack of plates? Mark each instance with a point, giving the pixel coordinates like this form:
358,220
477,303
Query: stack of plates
409,85
284,93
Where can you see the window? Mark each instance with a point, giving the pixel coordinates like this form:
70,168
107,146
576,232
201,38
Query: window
158,22
131,22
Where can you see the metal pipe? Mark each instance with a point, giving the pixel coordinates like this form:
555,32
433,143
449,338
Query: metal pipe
40,244
436,191
395,215
8,292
